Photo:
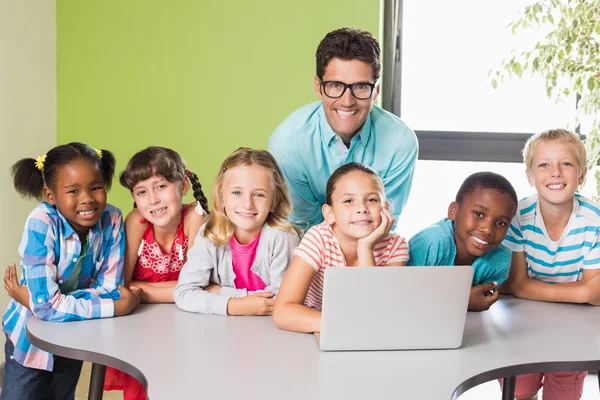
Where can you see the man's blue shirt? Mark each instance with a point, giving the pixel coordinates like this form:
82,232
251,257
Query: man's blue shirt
308,151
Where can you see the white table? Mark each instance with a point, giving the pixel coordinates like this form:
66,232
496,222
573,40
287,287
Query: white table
179,355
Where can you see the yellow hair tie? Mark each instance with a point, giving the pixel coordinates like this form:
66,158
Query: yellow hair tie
99,152
39,162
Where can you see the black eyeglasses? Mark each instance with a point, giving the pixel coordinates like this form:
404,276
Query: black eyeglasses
360,90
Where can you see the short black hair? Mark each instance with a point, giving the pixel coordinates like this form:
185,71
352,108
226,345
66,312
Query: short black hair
486,180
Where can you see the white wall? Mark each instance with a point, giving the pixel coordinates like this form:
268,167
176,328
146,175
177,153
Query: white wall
27,108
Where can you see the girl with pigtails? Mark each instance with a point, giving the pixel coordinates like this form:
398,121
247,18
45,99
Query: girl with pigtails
159,230
72,251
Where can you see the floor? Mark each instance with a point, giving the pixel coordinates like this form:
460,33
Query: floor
84,385
489,390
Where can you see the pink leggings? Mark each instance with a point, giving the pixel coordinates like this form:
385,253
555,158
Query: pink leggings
557,385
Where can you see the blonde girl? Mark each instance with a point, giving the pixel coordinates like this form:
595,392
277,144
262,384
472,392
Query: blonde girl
242,252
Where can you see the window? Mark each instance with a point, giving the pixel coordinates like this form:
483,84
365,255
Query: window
446,95
436,183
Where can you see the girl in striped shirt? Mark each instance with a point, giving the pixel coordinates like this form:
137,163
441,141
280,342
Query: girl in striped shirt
356,232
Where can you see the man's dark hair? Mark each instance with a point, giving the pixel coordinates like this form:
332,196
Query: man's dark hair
486,180
349,44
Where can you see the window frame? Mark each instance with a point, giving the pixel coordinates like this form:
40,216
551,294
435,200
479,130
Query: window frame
440,144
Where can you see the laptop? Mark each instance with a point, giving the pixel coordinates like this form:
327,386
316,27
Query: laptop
394,308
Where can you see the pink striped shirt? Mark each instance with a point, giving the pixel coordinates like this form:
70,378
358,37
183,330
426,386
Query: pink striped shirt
319,248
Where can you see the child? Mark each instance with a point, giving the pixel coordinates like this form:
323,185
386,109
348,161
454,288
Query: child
472,235
160,228
245,246
157,234
72,263
356,232
554,239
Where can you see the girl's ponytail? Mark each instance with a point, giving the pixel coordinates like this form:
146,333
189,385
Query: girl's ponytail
197,188
28,178
108,163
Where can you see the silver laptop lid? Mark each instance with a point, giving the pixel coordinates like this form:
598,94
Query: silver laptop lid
393,308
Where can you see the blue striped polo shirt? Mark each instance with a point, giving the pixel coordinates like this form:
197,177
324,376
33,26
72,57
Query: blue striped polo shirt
558,261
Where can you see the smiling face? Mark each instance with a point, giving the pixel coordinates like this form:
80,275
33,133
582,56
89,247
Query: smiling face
555,172
481,221
159,201
355,209
346,115
79,194
247,198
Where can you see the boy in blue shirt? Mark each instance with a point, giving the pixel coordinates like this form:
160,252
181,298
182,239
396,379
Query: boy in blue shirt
472,235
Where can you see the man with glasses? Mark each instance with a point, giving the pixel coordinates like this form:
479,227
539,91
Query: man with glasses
344,126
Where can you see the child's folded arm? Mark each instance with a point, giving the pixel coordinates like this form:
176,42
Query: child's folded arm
523,286
290,313
156,292
49,304
46,301
190,294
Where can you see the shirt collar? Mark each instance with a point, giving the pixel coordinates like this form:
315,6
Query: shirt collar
68,229
329,135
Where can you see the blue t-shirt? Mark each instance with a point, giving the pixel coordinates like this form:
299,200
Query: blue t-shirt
434,246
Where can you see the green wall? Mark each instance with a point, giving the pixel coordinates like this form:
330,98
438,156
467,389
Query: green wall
202,77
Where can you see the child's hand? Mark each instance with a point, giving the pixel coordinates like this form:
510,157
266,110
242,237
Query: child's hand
381,232
254,304
144,295
129,300
592,291
14,289
483,296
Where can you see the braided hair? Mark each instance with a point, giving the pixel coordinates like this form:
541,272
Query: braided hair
164,162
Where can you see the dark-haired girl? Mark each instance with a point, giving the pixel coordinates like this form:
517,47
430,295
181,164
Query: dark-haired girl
159,231
72,251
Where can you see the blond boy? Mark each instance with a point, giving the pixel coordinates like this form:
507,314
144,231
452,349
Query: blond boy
555,242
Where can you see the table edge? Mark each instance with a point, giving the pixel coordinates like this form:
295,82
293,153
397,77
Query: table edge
521,369
87,355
